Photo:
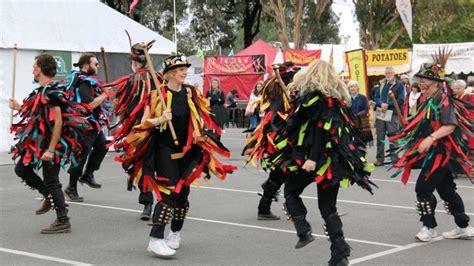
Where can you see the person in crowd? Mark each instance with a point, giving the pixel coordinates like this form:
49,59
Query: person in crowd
231,104
319,144
406,83
434,141
252,110
360,111
412,100
216,97
384,124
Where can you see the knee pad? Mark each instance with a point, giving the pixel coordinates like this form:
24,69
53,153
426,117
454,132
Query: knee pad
426,206
163,214
180,213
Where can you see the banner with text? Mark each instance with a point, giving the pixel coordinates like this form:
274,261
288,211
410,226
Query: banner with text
387,57
301,57
358,69
246,64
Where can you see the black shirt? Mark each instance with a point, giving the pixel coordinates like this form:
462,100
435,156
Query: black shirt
87,94
180,113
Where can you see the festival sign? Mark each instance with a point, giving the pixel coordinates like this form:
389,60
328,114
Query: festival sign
246,64
301,57
358,69
387,57
64,61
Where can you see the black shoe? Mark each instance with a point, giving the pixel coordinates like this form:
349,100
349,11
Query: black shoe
342,262
46,206
146,214
267,216
305,240
58,226
89,180
72,195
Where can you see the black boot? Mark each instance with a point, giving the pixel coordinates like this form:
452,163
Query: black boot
303,229
88,179
270,194
146,214
46,206
60,225
340,250
71,193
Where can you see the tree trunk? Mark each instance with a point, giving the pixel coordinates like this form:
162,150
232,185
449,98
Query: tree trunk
297,24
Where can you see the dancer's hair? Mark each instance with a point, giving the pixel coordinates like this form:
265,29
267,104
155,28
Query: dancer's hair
47,64
320,76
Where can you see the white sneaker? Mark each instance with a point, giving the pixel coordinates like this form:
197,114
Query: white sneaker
460,233
159,247
173,240
426,234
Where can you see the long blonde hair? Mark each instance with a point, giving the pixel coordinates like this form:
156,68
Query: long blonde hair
320,76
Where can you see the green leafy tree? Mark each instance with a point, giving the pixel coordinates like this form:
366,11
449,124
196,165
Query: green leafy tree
440,21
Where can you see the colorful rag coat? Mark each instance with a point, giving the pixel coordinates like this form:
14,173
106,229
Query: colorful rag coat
261,144
131,97
451,151
34,130
142,137
74,80
321,129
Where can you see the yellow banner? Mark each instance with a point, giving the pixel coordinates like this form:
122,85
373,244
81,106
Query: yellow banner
358,69
387,57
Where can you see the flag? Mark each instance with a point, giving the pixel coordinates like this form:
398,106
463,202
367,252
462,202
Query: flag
357,69
231,53
132,6
404,9
331,56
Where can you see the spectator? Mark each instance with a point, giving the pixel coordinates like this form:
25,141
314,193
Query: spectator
384,124
216,98
231,104
251,109
360,111
413,99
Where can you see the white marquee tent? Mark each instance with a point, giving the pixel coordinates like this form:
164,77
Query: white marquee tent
59,25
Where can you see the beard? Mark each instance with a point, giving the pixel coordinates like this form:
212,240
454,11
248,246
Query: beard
91,71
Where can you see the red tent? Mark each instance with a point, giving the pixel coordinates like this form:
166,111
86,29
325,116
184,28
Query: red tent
261,47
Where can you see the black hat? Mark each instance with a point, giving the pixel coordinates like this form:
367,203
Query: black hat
431,71
175,61
287,70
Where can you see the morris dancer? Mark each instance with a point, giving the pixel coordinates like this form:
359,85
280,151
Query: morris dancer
167,168
436,140
84,87
319,144
48,138
275,103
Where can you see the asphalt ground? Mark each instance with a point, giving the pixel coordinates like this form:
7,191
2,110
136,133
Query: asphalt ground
222,228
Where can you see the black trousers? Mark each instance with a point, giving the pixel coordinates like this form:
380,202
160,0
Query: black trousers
441,181
294,186
174,170
270,190
145,198
47,186
93,152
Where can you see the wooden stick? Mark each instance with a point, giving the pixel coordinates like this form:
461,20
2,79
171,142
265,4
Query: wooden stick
106,64
151,69
397,108
13,81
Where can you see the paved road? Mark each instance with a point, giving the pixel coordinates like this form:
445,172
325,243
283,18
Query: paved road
222,228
